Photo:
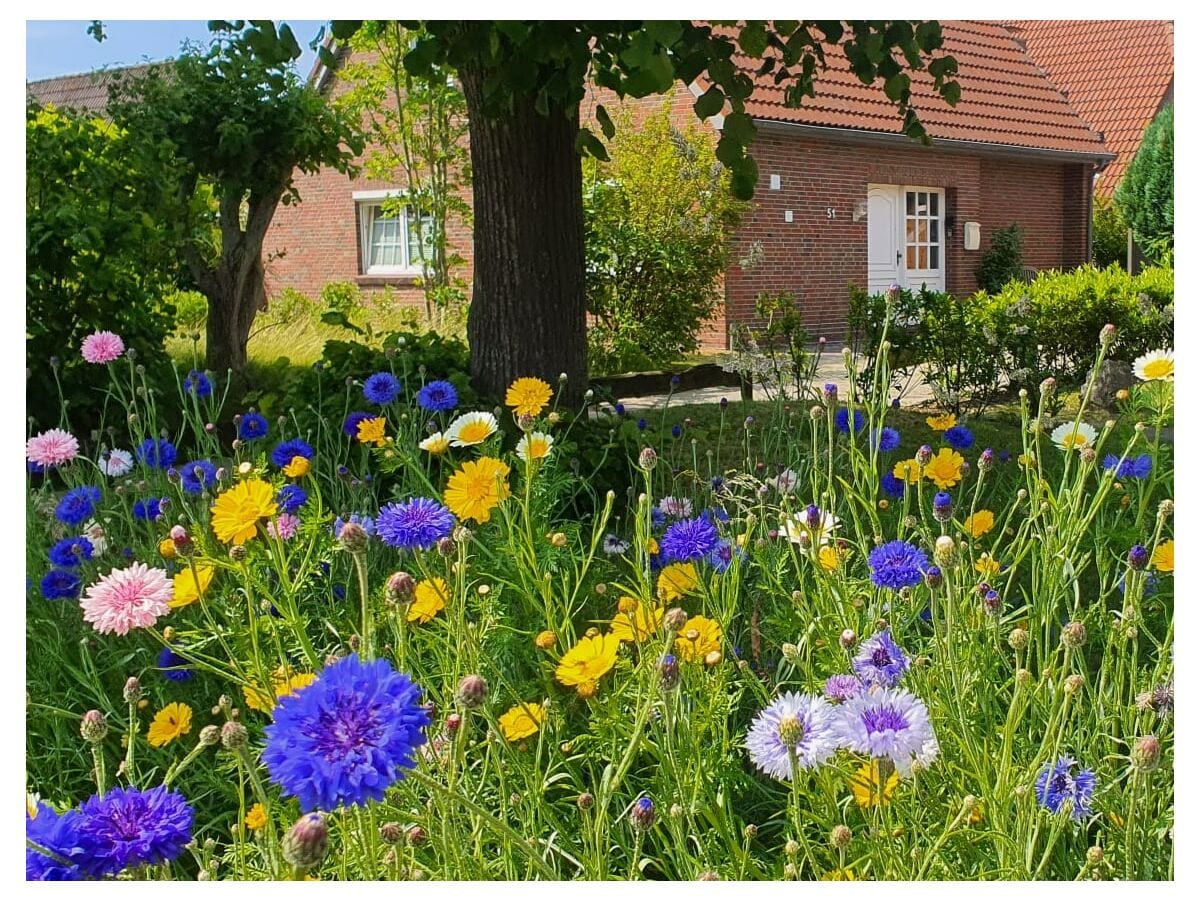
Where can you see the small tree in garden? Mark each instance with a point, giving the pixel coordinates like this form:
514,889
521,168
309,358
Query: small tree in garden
237,118
1110,243
417,129
1003,261
101,221
656,219
1146,195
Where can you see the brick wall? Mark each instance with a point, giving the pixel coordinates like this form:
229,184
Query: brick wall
817,257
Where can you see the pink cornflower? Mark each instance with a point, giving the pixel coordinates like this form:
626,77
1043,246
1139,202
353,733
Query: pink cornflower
127,598
116,462
102,347
51,448
284,526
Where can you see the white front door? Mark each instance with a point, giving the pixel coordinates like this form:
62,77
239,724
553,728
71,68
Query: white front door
905,237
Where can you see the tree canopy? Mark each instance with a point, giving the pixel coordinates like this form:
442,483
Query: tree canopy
1146,194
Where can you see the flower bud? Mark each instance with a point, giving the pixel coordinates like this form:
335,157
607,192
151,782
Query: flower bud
558,539
830,393
1108,334
1139,557
93,727
1072,683
993,603
238,553
668,672
1166,509
545,640
210,736
1147,753
1074,635
934,578
840,837
943,506
1095,855
790,652
944,552
647,458
400,587
924,455
472,691
354,537
1048,386
642,814
674,619
453,724
847,638
133,689
305,844
750,831
712,658
1018,639
234,736
391,832
987,459
708,875
1023,677
816,413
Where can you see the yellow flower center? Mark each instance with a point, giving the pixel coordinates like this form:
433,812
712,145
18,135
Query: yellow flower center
474,432
1159,368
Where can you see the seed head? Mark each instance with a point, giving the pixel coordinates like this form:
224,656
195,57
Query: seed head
1018,639
1074,635
840,837
305,844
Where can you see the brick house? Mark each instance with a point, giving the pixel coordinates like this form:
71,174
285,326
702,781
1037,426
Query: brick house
843,196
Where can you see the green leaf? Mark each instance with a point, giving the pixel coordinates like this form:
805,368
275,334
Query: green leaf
344,29
753,39
710,103
587,144
335,317
744,178
739,127
606,122
952,92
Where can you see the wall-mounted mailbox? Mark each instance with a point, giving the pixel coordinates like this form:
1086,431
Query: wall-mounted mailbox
970,235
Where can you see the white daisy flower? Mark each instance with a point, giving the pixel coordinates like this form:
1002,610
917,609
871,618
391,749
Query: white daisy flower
822,534
1157,365
436,444
785,482
535,445
116,463
471,428
1070,436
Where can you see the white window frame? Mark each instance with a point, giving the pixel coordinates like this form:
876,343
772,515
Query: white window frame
366,204
930,274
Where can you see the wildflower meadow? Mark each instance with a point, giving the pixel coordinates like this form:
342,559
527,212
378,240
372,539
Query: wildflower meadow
837,643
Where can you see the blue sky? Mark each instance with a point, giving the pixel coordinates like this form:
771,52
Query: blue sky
65,47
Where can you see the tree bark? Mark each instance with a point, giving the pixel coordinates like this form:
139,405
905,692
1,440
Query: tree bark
527,314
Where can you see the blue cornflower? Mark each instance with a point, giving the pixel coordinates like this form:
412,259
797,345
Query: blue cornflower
887,439
842,420
959,437
658,518
721,557
77,505
130,828
61,584
198,383
61,835
350,424
715,514
291,497
34,468
286,451
174,667
689,539
415,524
676,431
795,731
641,424
717,484
892,486
620,409
148,509
252,427
157,454
1134,467
1058,788
897,564
71,552
880,660
1149,584
345,738
437,396
382,388
195,476
840,688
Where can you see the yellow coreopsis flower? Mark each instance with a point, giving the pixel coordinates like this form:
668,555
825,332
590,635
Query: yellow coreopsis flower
979,523
283,685
676,581
908,471
297,468
1163,558
172,721
429,598
166,549
256,818
638,624
236,513
986,566
477,488
651,546
945,468
373,431
865,785
588,661
840,875
698,637
522,720
189,587
528,396
831,557
941,423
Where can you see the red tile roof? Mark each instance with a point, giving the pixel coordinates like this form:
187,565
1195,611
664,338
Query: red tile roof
1006,98
1115,72
87,92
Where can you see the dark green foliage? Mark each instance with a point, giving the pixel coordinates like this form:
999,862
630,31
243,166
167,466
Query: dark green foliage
100,218
1003,261
656,220
1110,241
1146,195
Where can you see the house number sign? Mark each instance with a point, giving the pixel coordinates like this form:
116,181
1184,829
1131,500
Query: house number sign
830,212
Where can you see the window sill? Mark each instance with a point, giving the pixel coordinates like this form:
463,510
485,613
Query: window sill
382,280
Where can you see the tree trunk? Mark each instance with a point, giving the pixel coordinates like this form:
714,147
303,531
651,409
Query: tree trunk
527,314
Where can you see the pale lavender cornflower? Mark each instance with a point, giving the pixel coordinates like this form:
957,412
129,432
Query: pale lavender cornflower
802,724
840,688
675,507
116,463
880,660
888,723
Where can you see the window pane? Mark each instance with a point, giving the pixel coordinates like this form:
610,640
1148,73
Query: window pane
933,204
910,260
923,258
910,202
934,229
934,258
923,230
910,230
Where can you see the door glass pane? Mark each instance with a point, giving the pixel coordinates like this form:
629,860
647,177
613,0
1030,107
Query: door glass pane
910,230
933,257
911,258
923,257
910,202
933,230
922,230
933,204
